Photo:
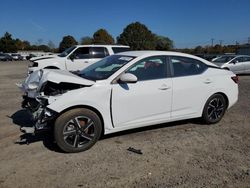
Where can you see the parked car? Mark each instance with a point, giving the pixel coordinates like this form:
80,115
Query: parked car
239,64
5,57
75,58
125,91
17,57
28,57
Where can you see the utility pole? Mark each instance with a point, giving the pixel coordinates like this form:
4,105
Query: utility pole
212,41
221,41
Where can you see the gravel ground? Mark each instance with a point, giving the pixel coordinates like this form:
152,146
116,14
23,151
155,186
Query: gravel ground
180,154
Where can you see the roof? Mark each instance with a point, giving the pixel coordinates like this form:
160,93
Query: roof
159,53
102,45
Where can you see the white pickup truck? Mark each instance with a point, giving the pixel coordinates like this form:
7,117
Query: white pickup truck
75,58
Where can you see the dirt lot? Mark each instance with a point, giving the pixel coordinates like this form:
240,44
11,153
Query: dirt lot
181,154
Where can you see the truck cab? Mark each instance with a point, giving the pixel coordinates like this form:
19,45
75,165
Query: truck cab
75,58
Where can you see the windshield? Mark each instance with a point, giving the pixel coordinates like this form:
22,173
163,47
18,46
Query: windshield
67,51
105,68
223,59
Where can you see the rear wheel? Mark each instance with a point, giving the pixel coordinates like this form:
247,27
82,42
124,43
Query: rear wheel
214,109
77,130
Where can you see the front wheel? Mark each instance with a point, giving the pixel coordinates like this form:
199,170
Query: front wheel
77,130
214,109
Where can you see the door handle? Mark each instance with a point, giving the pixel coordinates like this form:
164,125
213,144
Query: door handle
208,81
86,62
164,87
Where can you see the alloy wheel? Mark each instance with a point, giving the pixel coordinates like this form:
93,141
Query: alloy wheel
215,109
79,131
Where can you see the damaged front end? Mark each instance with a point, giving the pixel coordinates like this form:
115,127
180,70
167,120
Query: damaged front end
41,115
42,88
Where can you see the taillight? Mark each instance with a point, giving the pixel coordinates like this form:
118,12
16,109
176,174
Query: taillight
235,79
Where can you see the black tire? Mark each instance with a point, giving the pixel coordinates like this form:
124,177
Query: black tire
214,109
77,130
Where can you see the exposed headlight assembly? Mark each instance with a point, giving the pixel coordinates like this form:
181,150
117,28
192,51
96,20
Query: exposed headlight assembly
33,85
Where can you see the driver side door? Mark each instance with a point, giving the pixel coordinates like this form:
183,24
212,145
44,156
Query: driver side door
149,100
237,65
79,59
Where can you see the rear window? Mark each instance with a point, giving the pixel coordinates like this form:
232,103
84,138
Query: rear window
120,49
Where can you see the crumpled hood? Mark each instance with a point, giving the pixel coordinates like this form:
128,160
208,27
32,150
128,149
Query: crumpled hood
58,76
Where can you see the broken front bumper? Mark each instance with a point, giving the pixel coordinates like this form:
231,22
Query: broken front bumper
41,115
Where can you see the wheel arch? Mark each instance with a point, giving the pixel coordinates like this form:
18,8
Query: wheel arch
225,97
51,67
86,107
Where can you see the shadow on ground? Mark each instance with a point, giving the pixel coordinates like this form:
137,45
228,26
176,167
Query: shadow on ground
22,118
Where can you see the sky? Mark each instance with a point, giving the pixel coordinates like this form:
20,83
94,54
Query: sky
187,22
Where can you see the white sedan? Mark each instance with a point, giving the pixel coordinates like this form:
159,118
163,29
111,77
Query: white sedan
239,64
126,91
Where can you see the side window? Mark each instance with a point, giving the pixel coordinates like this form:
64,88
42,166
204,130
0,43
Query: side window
99,52
239,59
81,53
120,49
245,59
150,68
183,66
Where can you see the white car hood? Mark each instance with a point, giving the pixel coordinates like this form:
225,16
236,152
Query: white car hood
58,76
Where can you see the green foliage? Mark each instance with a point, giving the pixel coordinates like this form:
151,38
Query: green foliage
101,36
7,44
86,40
217,49
67,42
163,43
138,37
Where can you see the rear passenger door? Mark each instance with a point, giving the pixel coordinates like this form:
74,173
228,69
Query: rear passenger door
189,86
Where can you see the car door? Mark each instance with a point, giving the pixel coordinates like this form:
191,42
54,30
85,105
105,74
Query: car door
237,65
246,63
82,57
79,59
147,101
190,86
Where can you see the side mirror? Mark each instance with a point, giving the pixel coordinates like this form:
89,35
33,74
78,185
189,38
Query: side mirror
235,61
128,78
72,57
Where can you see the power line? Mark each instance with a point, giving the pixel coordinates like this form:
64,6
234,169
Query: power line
212,41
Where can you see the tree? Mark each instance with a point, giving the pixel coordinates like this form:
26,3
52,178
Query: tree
86,40
19,44
163,43
198,50
7,44
101,36
137,36
67,42
26,45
